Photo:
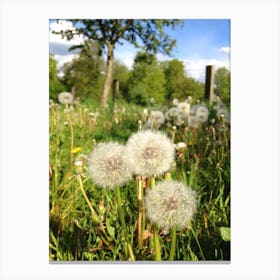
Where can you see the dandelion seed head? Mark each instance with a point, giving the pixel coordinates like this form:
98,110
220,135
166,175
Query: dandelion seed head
150,153
170,204
172,113
184,107
108,165
65,98
223,113
155,120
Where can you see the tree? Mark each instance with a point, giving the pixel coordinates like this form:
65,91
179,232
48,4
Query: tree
222,84
174,75
121,73
84,72
109,32
55,85
147,80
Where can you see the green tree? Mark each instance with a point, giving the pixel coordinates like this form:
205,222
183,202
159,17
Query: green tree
175,79
109,32
55,85
147,80
222,84
84,72
121,73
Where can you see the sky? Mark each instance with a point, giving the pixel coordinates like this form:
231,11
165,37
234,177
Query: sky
200,42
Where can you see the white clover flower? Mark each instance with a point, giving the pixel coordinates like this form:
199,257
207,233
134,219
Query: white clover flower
151,153
170,204
155,120
65,98
108,165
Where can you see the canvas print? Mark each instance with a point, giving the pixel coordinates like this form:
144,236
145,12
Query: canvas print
139,140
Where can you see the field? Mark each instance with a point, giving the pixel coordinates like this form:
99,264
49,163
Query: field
91,223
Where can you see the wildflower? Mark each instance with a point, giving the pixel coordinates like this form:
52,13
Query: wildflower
184,107
181,146
108,165
170,204
172,113
65,98
155,120
202,114
222,112
76,150
151,153
175,102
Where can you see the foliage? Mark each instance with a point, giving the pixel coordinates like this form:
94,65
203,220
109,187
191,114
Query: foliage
146,81
121,73
222,84
55,85
175,76
84,72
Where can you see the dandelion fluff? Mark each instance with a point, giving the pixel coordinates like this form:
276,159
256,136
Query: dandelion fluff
155,120
108,165
170,204
151,153
65,98
202,114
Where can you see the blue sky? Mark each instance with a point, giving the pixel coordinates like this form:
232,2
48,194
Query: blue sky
200,42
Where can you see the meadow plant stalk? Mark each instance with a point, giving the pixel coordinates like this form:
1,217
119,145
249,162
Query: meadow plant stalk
103,235
123,224
140,211
173,244
71,131
157,249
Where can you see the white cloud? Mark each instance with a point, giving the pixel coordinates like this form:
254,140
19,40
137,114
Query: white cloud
58,46
225,50
196,68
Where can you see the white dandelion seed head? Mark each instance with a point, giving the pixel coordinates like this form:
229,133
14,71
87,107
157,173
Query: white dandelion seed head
66,98
193,123
181,146
175,102
184,107
155,120
225,113
151,153
108,165
172,113
202,114
170,204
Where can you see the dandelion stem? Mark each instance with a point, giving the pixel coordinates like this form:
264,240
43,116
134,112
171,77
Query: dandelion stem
157,256
71,131
140,211
173,244
94,215
123,224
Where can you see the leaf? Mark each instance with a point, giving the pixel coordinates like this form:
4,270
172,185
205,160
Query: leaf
110,229
225,233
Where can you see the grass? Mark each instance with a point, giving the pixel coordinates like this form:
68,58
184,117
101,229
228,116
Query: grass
75,235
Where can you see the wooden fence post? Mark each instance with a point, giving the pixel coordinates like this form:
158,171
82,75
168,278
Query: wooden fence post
209,83
116,87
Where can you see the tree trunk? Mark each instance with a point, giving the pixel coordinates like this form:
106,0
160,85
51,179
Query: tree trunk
108,76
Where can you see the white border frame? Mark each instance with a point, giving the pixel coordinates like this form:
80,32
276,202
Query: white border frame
24,138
